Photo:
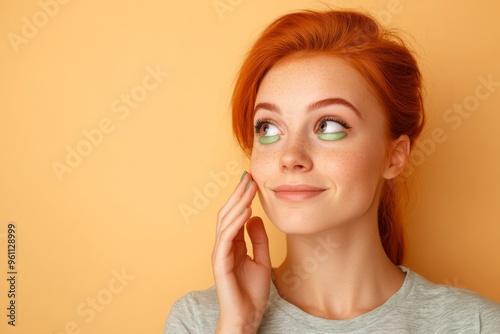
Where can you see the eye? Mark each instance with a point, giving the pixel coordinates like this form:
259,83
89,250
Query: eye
328,126
267,131
332,129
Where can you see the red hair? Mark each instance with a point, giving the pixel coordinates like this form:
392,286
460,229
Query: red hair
379,55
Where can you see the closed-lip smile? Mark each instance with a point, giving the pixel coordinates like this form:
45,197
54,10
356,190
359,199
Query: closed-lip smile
297,192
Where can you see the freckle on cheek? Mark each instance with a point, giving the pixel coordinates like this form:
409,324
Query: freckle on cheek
262,166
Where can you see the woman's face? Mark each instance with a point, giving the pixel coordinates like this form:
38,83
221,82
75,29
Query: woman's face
319,151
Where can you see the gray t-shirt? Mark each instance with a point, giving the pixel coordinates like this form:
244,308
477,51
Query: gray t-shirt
419,306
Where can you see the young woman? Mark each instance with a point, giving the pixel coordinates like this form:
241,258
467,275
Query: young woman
328,106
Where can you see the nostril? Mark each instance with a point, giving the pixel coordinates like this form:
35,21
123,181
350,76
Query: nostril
295,158
295,167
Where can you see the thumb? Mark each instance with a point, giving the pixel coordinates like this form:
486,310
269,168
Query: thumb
260,242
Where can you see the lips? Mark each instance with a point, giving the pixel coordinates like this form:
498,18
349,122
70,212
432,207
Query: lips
297,192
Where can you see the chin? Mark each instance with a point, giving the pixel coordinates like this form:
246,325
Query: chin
296,222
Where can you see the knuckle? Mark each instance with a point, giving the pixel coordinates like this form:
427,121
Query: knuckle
219,215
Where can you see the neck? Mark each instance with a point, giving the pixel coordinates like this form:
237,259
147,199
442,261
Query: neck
340,273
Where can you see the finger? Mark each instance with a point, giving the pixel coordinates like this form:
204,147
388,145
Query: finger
239,244
234,198
237,194
260,242
239,207
230,232
237,216
230,226
230,241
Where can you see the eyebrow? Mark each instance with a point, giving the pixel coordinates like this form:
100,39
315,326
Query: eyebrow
315,105
333,101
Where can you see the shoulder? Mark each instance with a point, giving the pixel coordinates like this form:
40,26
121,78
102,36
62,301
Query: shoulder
454,305
195,312
449,296
194,299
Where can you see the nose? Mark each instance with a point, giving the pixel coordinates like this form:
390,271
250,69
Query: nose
295,156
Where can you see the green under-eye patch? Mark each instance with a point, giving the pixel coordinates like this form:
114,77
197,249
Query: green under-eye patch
269,140
332,136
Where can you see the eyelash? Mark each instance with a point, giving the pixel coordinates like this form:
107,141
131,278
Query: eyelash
337,120
261,121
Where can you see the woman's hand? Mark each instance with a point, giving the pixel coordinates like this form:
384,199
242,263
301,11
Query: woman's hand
242,283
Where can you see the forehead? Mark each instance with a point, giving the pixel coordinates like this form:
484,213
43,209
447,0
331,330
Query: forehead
308,78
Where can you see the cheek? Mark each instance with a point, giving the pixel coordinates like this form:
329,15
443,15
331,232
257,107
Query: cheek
354,168
261,164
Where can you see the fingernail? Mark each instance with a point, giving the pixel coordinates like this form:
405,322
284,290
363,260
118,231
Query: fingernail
243,175
249,184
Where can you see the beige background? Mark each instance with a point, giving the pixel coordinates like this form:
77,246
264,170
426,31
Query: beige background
67,70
